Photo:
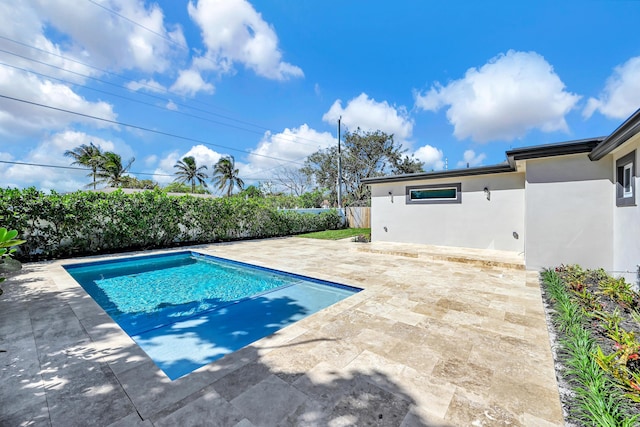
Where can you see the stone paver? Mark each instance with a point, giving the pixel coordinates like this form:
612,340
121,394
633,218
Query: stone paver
438,337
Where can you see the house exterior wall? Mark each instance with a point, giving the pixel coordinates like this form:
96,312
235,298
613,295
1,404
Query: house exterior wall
475,222
626,220
568,212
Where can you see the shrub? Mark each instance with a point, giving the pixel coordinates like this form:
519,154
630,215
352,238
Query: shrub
61,225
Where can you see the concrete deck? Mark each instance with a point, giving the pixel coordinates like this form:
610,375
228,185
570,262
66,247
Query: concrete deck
446,340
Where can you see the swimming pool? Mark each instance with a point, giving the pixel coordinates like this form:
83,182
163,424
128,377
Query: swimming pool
187,309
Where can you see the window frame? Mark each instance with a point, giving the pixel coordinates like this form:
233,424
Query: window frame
626,190
457,186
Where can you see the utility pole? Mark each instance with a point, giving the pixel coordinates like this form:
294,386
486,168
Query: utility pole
339,168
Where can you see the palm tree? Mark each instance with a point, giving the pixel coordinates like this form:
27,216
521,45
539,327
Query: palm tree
111,170
188,171
225,175
89,156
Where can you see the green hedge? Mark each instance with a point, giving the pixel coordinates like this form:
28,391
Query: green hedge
62,225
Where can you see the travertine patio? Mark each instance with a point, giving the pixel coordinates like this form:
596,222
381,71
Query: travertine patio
438,337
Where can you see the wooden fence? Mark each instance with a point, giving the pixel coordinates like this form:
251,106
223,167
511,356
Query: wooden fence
358,217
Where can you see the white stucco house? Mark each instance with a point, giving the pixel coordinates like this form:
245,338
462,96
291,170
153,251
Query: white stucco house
570,202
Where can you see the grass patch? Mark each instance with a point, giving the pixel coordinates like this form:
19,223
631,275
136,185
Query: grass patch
344,233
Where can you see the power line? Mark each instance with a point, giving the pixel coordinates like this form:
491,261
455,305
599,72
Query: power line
153,88
136,100
274,137
139,25
136,23
248,176
42,165
129,125
66,59
121,87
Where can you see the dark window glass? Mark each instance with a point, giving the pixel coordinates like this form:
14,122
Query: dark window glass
435,193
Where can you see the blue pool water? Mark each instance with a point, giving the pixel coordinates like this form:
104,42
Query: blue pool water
186,309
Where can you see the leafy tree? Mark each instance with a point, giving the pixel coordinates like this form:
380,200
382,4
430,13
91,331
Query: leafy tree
267,188
133,182
312,199
179,187
111,170
365,155
89,156
188,171
409,165
251,192
225,175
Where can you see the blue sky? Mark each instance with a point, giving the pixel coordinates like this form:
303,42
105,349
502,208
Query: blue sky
265,81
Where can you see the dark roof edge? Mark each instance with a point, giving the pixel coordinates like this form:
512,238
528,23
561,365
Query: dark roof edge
482,170
550,150
626,130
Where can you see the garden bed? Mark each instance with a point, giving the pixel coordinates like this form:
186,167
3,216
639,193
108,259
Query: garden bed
595,321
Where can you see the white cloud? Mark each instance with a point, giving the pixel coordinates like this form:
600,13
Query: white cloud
471,159
128,46
291,144
190,82
171,106
7,157
621,94
203,155
510,95
25,22
146,84
83,38
233,31
150,160
370,115
431,157
18,117
51,152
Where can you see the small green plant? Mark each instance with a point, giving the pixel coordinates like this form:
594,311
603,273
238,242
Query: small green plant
610,320
588,301
616,365
626,350
574,276
619,290
7,242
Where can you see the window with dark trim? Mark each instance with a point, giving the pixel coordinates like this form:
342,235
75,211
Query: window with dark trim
434,194
626,180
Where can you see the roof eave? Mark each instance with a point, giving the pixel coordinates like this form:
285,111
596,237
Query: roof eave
484,170
551,150
626,130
